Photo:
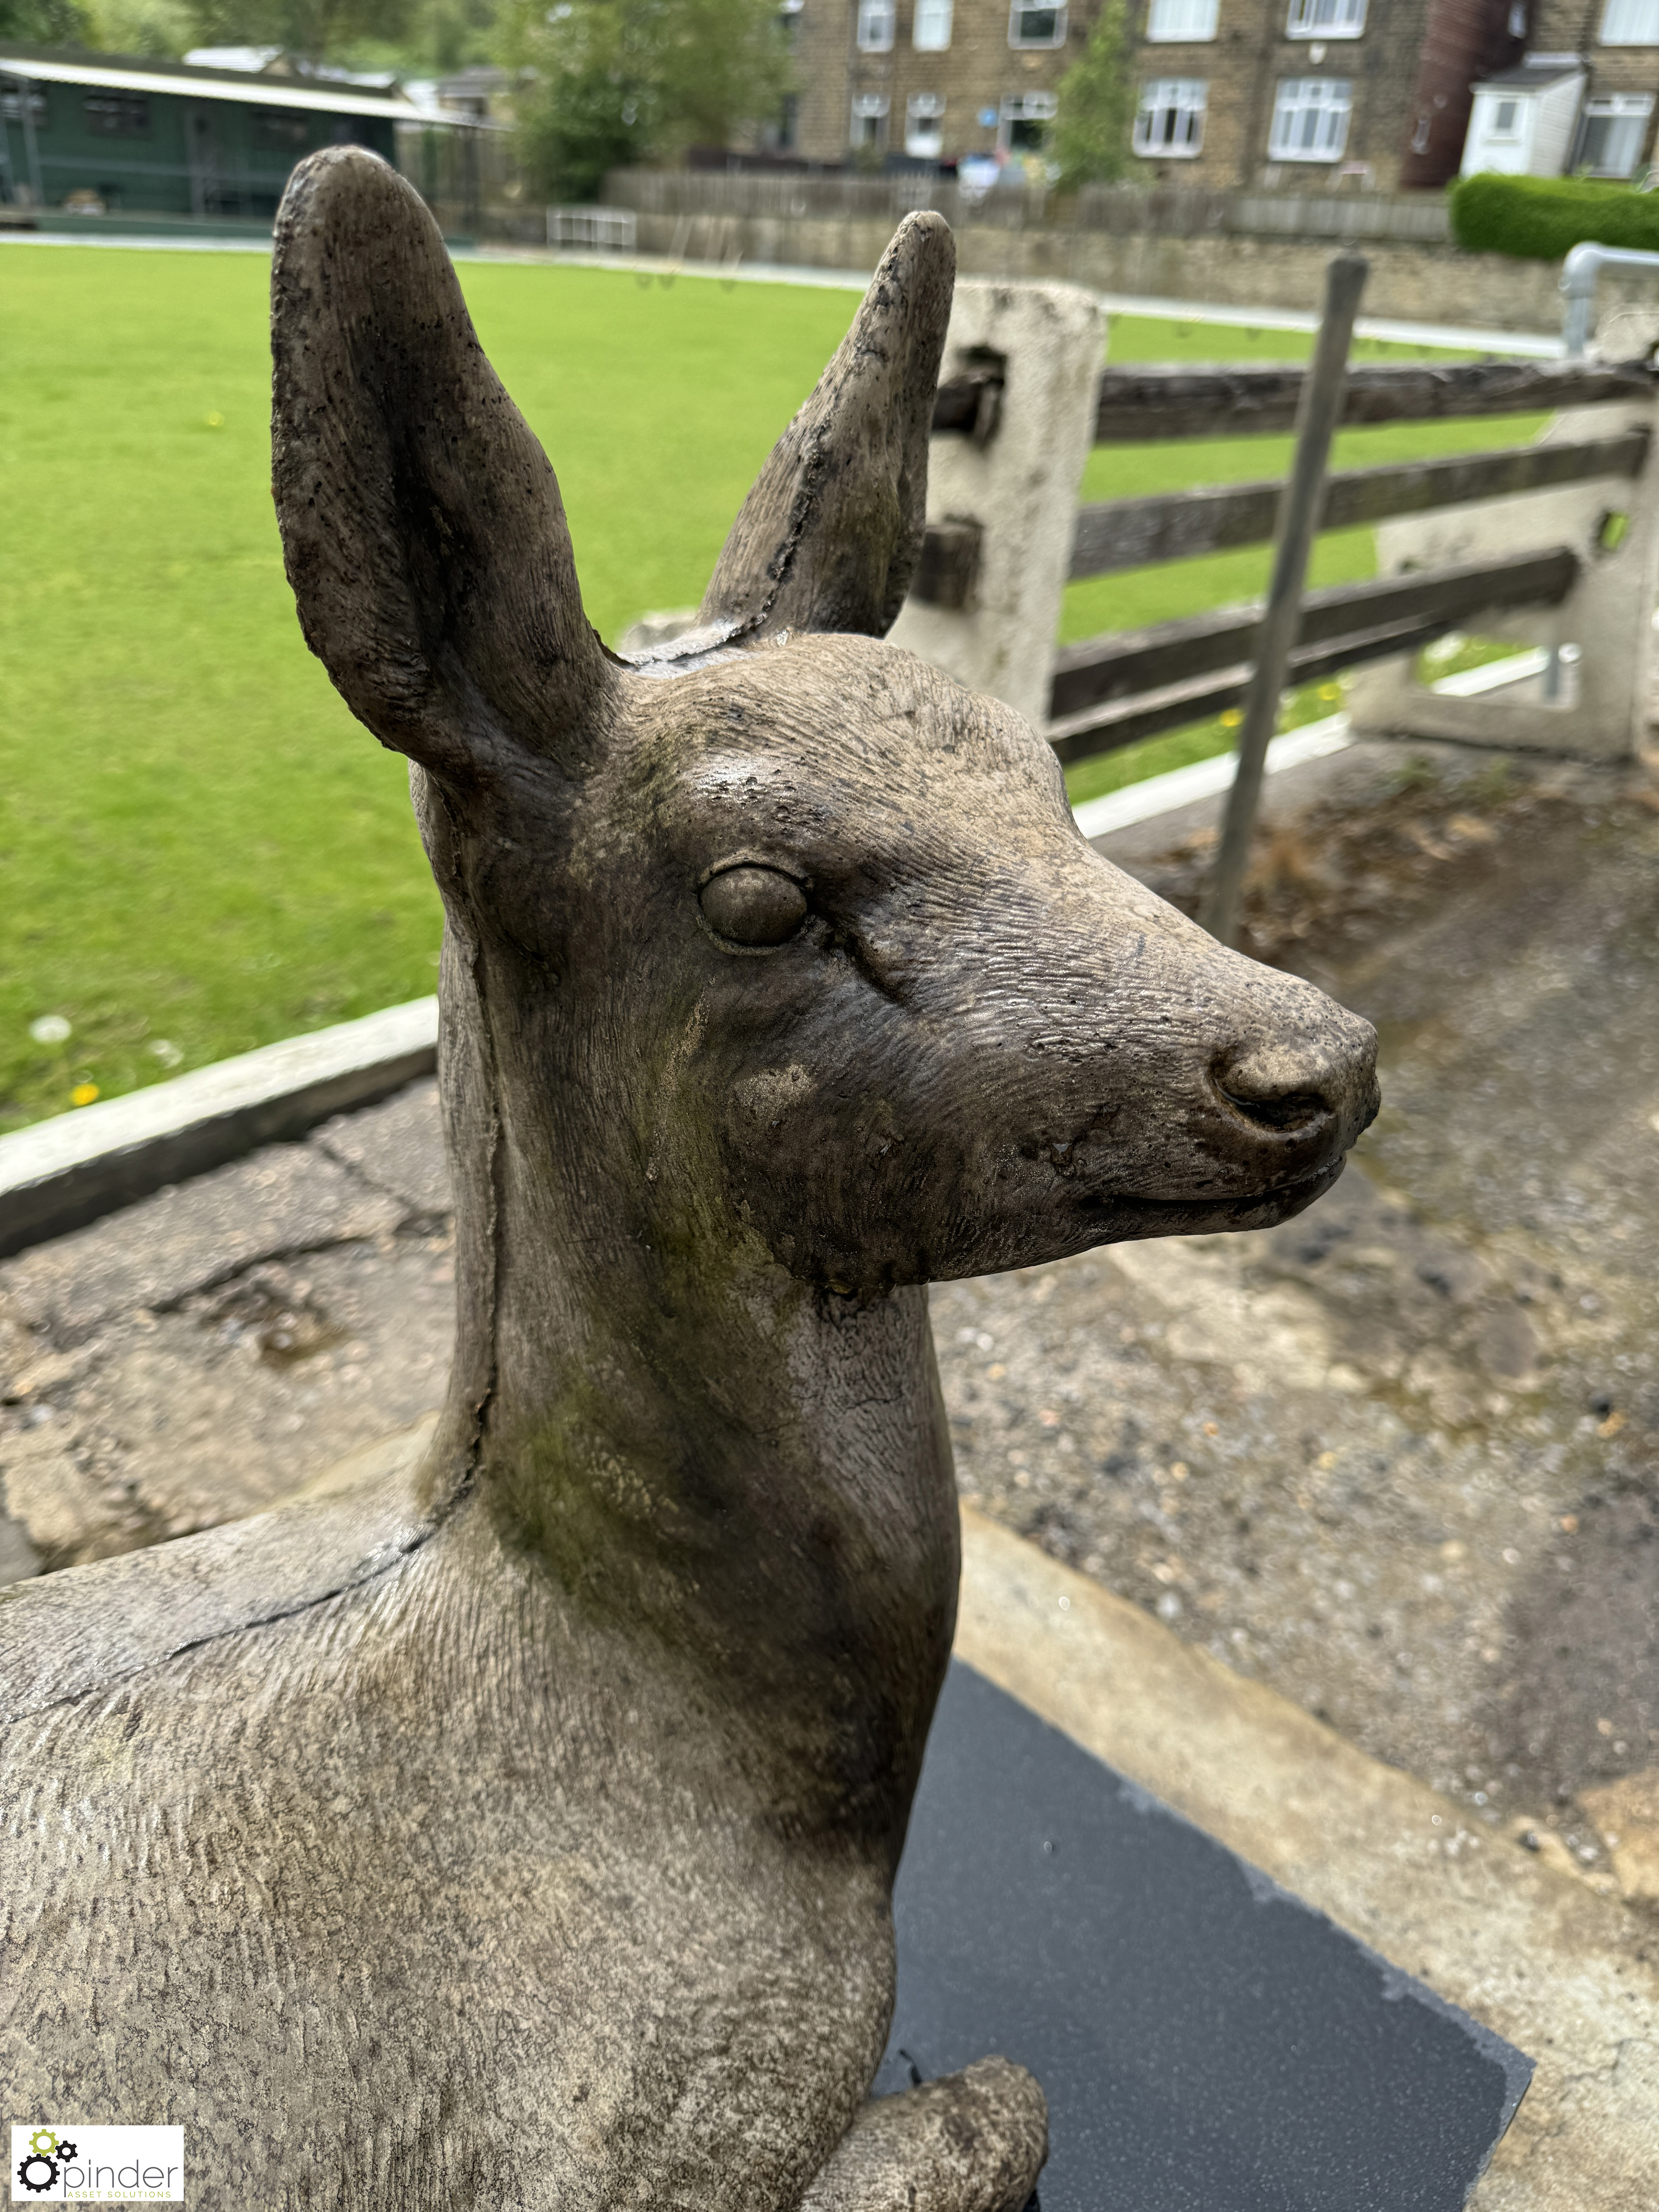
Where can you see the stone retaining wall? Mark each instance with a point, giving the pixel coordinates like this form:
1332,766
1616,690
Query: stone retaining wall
1424,283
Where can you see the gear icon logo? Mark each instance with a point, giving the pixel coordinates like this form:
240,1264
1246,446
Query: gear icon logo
46,2153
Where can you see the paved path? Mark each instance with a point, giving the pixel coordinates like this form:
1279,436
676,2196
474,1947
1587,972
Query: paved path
1525,344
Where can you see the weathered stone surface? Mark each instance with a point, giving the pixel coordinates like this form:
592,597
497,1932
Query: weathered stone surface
288,1199
398,1146
564,1800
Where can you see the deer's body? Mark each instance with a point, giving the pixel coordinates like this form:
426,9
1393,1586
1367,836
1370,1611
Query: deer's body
524,1837
436,1908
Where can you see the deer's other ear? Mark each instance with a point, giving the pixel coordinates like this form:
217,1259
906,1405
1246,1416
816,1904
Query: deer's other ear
424,536
830,537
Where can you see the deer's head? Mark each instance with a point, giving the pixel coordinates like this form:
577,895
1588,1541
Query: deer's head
783,934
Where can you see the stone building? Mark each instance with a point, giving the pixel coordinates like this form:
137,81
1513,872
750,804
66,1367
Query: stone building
933,79
1365,94
1583,102
1358,94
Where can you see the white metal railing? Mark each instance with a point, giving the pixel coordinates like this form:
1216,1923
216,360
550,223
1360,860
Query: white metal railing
1579,272
599,230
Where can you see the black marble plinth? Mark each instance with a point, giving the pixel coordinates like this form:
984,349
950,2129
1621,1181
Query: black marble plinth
1208,2043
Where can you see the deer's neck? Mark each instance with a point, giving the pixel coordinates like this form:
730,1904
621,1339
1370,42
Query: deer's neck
748,1478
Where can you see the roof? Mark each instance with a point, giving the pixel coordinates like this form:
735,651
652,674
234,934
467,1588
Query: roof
1530,77
125,73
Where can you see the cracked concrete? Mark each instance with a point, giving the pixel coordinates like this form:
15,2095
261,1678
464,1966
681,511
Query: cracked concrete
209,1350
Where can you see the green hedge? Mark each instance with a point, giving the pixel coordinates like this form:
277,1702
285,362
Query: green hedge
1538,218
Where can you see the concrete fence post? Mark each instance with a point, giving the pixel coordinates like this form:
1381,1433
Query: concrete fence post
1016,482
1601,712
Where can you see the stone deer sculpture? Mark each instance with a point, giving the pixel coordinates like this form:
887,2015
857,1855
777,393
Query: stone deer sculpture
525,1838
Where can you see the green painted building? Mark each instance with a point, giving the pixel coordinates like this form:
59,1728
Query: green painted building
103,134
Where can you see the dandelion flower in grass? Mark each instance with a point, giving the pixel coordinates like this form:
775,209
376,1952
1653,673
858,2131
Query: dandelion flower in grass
51,1029
83,1094
1330,690
1232,719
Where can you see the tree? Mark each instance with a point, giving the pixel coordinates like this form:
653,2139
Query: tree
1097,100
316,29
43,22
621,81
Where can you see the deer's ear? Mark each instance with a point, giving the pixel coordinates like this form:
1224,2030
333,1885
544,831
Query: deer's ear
829,536
422,526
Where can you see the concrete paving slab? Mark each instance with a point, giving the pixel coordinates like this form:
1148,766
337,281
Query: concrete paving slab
1204,2038
1570,1977
283,1200
399,1147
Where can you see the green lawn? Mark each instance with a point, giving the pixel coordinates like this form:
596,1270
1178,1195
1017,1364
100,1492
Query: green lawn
199,850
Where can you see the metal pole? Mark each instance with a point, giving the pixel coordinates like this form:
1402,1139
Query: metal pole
1299,519
31,148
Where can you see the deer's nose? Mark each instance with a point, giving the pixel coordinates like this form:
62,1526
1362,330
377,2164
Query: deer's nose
1302,1092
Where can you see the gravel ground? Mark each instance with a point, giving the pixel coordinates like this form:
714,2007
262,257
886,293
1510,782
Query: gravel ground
1399,1458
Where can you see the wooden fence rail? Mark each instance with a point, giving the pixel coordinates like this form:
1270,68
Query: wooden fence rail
1130,533
1113,690
1136,405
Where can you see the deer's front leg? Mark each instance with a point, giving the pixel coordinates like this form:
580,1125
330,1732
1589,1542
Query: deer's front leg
972,2142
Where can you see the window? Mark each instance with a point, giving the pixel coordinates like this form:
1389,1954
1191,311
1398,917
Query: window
924,125
1614,128
1025,121
118,115
1630,23
1326,19
876,20
276,131
869,118
1311,118
1505,115
1180,23
11,101
1031,26
1170,121
931,33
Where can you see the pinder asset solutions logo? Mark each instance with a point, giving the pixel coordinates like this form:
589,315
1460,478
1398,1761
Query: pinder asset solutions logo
97,2166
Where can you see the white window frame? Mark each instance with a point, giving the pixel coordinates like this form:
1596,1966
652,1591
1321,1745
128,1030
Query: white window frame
1024,107
878,26
1326,19
1181,22
1323,96
924,109
932,25
1181,96
1020,9
868,108
1620,107
1630,23
1499,133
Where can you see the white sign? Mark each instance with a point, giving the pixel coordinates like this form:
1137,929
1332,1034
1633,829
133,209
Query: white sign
97,2166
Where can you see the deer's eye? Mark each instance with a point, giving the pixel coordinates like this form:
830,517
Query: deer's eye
751,905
